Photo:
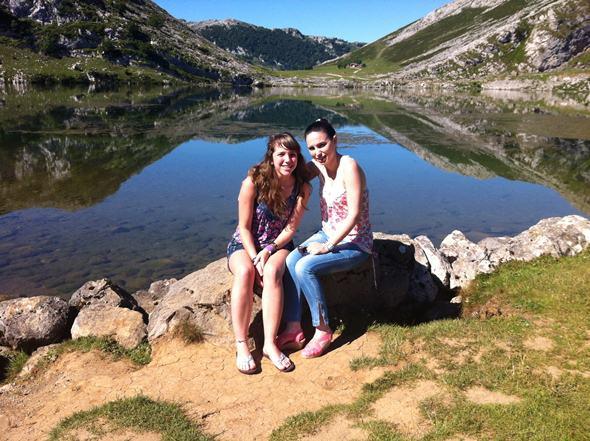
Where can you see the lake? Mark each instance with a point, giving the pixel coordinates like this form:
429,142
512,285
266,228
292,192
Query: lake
142,185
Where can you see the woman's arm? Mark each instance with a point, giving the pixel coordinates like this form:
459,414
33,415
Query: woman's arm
312,170
354,183
246,201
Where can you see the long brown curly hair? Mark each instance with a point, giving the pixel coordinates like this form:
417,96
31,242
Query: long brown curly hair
266,180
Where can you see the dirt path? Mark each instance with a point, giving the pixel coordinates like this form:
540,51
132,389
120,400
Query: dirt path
202,378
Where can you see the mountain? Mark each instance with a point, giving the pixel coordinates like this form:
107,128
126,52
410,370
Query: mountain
107,41
470,39
285,49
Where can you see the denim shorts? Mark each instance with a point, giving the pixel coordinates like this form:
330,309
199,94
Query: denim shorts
234,246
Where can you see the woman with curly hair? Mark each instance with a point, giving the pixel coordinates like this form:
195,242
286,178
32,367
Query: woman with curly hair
271,203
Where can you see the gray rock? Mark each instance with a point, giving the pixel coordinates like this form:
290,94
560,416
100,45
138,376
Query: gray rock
496,249
124,326
150,298
556,236
438,264
466,258
101,292
505,37
27,323
565,236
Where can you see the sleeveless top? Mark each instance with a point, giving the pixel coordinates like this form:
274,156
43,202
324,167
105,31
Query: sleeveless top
334,208
266,226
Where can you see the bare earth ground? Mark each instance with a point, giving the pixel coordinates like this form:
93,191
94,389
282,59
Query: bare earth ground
202,378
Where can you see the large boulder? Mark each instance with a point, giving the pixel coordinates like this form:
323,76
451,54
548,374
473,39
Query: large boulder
102,292
124,326
202,299
27,323
410,265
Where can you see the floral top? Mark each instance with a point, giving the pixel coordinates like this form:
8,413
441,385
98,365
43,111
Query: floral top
266,226
334,208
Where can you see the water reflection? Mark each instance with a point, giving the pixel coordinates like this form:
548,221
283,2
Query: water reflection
142,186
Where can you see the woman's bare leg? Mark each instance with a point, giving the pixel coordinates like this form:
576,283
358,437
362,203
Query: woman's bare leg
272,302
241,302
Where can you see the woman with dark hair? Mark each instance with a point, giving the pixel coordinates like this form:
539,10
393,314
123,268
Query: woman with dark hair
270,205
345,240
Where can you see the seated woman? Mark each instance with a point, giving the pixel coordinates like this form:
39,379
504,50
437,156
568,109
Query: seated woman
271,202
344,241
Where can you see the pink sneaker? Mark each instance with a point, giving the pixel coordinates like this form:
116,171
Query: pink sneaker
292,341
317,346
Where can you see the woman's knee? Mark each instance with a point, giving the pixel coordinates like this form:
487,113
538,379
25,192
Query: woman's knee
292,259
273,273
244,273
303,268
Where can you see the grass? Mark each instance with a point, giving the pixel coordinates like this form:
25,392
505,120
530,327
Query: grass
189,332
140,414
546,298
15,361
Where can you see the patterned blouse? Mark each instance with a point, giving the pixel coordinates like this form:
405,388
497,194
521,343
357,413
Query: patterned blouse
334,208
266,226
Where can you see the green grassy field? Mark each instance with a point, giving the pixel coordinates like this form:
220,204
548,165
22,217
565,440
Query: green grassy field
531,362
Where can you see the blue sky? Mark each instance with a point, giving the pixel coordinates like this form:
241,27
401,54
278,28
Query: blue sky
352,20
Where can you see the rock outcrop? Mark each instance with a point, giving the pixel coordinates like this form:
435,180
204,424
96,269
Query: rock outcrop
556,236
124,326
101,292
27,323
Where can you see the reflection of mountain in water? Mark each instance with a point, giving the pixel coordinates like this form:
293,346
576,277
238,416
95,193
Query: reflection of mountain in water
71,157
486,138
289,113
74,155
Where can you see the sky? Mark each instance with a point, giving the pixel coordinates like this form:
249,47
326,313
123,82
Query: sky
351,20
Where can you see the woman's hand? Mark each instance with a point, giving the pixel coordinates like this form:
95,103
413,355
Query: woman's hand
317,248
260,260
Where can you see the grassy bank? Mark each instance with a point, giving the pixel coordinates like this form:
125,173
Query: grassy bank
521,373
16,360
138,415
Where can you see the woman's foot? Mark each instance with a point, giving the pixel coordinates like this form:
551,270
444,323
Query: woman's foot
291,340
318,344
244,360
278,359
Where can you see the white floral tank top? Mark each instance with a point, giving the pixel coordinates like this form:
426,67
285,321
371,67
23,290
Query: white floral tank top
334,208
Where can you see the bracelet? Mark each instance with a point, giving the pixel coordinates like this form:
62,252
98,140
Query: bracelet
271,247
329,245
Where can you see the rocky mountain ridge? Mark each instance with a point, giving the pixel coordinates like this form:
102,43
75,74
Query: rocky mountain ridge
276,48
110,37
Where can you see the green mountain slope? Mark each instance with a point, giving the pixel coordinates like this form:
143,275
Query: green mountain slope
274,48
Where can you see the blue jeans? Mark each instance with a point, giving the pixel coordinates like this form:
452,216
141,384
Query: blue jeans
302,275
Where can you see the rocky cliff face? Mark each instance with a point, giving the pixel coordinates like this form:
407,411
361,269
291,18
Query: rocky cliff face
469,39
276,48
123,33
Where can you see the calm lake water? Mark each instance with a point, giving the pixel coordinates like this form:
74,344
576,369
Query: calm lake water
141,186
